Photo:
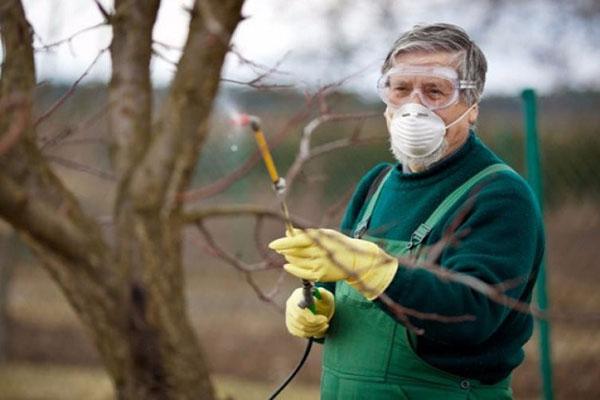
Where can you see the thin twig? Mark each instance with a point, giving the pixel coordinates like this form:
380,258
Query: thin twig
69,92
342,143
304,148
258,86
86,125
74,165
256,66
397,309
84,141
167,46
256,82
222,184
452,236
490,291
229,211
158,54
238,264
56,139
107,16
73,36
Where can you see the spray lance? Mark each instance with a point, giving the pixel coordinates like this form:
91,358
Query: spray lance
308,290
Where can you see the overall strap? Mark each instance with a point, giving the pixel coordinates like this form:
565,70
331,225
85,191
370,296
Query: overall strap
374,192
423,230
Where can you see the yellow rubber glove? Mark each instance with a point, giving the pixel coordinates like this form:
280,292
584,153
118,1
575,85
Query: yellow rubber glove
302,322
326,255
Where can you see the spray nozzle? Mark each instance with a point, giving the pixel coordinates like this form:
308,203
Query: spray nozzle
244,119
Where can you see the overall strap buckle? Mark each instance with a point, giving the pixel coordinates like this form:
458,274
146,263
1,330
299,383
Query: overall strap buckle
418,236
361,229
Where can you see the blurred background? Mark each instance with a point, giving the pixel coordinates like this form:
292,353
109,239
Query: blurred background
298,47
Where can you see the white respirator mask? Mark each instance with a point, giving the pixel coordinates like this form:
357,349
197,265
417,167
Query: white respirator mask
416,131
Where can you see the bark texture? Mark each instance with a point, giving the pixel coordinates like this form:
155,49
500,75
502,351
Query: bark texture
128,294
8,244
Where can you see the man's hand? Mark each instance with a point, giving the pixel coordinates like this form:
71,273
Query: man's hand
302,322
326,255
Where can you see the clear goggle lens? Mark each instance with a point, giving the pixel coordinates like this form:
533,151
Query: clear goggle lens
436,87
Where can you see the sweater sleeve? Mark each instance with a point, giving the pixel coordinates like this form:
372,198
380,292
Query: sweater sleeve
500,241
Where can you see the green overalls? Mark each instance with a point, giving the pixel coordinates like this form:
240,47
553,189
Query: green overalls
368,355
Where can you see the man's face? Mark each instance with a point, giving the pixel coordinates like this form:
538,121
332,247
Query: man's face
457,133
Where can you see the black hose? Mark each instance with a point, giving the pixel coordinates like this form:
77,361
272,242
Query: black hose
294,372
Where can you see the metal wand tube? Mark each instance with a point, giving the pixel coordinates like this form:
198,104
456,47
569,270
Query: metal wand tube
279,185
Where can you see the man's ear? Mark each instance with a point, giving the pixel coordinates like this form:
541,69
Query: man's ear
473,114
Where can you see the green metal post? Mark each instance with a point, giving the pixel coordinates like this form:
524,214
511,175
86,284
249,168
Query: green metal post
534,177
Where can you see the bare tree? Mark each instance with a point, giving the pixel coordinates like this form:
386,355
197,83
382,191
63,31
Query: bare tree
129,293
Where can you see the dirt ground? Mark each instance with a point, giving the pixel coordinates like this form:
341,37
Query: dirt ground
246,338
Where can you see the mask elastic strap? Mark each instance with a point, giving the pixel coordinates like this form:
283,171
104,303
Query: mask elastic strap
461,117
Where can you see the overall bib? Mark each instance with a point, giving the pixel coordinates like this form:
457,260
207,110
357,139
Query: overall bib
368,355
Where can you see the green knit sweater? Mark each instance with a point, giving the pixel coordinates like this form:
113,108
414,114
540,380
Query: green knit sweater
501,240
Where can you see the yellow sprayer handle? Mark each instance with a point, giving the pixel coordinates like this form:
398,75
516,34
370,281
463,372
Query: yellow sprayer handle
266,155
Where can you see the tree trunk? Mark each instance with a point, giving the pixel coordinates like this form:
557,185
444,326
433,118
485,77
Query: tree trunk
8,241
129,295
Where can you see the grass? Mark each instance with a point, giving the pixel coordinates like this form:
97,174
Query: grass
26,381
21,381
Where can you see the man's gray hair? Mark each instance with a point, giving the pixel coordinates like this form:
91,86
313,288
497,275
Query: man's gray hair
470,62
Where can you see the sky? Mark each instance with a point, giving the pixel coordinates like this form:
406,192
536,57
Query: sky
320,41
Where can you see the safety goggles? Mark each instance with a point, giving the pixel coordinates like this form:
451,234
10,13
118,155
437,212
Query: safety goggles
436,86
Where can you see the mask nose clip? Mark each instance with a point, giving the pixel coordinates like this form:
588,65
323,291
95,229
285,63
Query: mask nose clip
415,114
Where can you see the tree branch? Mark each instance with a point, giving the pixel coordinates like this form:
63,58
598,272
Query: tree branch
74,165
107,16
255,83
194,216
33,199
46,224
167,165
304,151
225,182
258,81
222,184
129,124
19,109
130,90
18,72
73,36
260,67
241,266
52,140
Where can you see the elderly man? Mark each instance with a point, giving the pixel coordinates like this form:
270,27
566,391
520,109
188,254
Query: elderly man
446,184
